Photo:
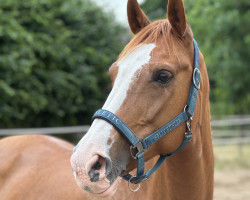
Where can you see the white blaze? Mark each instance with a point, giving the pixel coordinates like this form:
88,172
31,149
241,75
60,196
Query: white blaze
126,70
96,139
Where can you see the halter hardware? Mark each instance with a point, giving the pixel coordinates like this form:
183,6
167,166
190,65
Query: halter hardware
196,78
129,186
140,145
188,122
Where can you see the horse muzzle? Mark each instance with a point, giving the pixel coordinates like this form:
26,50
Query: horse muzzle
91,175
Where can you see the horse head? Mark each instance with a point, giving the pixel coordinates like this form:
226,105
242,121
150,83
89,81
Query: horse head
151,81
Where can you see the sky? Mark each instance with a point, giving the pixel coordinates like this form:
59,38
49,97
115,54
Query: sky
119,7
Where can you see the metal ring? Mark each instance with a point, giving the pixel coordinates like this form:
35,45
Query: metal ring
196,70
185,108
138,187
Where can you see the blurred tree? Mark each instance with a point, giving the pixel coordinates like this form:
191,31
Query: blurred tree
222,30
53,55
155,9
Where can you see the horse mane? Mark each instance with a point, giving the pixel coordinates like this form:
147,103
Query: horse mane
150,34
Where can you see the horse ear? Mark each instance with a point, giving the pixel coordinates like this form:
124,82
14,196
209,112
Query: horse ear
176,16
136,17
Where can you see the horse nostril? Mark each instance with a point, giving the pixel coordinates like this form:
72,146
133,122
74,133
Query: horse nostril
93,175
98,167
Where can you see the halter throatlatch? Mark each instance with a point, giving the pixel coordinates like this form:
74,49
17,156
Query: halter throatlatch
138,146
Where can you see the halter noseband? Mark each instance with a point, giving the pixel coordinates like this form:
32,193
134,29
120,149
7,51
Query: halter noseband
140,145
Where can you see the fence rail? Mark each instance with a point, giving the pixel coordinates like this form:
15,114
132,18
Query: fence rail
239,135
230,133
239,121
53,131
221,137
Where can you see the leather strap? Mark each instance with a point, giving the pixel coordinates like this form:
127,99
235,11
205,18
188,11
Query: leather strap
159,162
195,85
163,131
118,124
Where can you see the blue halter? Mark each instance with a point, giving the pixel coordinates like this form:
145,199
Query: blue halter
140,145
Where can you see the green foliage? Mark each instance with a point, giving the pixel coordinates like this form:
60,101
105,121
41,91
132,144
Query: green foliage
222,30
53,57
155,9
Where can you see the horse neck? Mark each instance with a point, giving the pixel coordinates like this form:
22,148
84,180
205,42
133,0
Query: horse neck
189,173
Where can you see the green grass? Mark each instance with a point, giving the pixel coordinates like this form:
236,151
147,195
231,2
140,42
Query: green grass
232,157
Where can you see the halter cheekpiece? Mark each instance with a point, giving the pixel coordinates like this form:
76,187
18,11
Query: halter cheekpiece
140,145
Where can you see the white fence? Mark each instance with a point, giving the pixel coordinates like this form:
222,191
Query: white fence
237,134
231,130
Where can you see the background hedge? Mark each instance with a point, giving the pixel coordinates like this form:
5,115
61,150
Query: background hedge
53,55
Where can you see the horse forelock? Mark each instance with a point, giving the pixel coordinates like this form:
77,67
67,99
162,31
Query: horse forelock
150,34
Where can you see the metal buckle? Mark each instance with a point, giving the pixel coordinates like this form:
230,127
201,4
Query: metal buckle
138,147
196,70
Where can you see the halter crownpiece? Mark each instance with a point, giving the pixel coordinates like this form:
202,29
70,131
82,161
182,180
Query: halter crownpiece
140,145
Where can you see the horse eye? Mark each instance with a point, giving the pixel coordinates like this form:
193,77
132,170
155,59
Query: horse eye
163,76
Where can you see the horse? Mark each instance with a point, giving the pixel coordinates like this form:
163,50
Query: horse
160,86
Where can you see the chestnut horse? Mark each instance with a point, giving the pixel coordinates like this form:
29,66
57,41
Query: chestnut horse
152,82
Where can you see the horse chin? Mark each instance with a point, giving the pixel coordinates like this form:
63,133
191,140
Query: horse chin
111,190
106,185
106,191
